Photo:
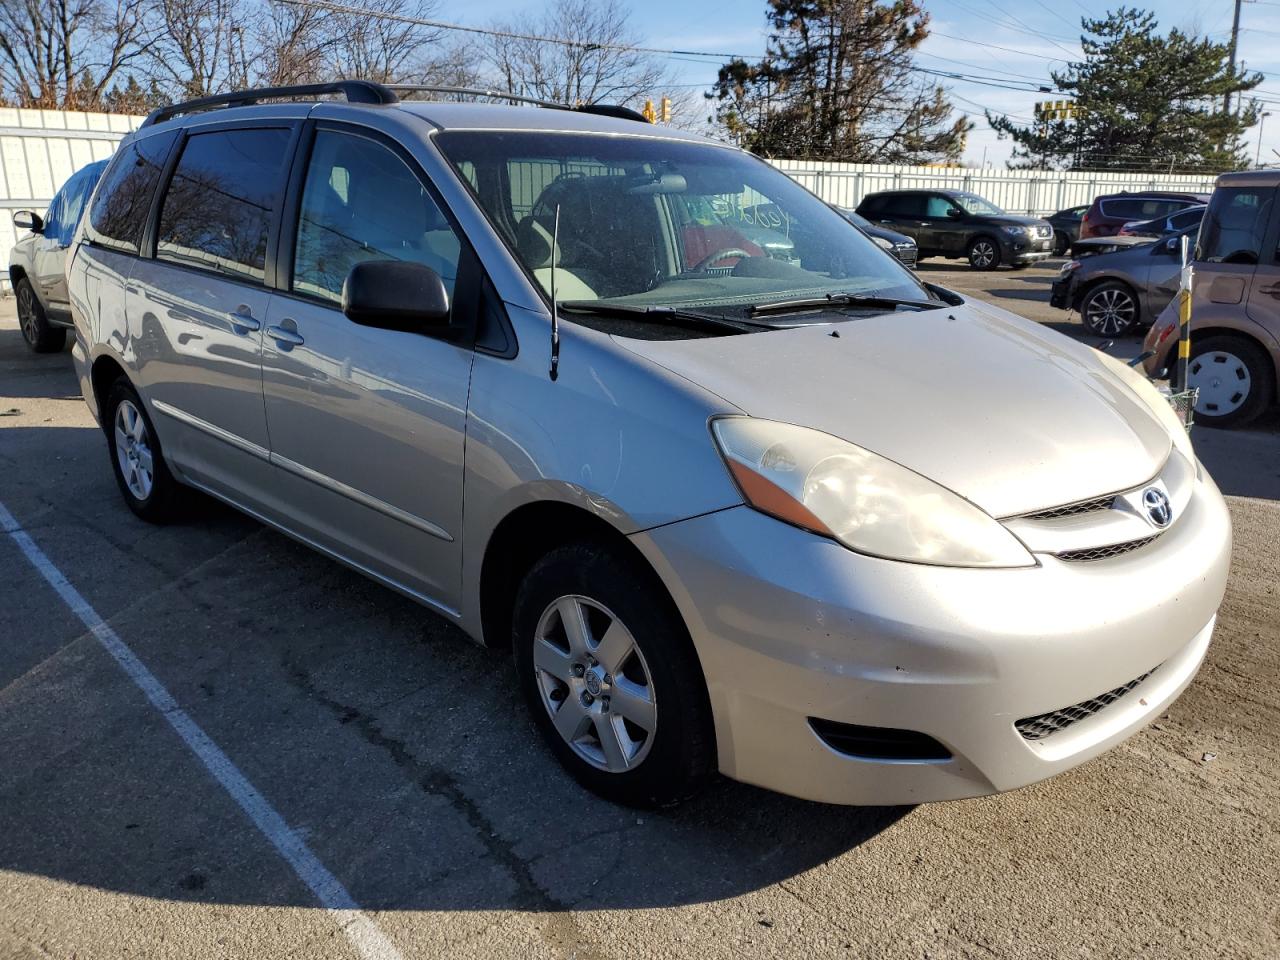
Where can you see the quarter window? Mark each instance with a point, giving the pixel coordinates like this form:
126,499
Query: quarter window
218,208
120,206
362,202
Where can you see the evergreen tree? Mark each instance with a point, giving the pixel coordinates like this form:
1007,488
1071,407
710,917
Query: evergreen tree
837,83
1143,102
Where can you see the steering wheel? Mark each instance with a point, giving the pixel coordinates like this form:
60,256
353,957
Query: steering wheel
722,254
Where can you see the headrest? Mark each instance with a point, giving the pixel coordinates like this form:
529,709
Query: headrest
533,243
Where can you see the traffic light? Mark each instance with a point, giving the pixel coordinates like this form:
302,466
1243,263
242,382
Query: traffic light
666,109
648,112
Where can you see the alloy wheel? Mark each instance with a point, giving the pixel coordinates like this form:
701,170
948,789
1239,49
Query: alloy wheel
1110,312
133,450
27,313
983,254
595,684
1223,382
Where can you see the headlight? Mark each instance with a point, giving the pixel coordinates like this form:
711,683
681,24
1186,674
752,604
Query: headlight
1017,231
869,504
882,243
1069,267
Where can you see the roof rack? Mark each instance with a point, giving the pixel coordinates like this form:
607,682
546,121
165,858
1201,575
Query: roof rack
366,91
356,91
600,109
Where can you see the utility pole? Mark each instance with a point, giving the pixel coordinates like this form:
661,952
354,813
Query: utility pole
1235,35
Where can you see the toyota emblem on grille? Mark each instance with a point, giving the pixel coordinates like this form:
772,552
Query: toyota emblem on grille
1156,503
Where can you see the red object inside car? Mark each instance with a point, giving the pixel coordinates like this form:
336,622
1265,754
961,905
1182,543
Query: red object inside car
701,241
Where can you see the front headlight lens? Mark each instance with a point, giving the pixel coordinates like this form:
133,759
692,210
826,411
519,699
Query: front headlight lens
882,243
869,504
1017,231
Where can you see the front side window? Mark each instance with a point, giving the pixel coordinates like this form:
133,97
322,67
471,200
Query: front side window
217,211
119,210
651,222
362,202
939,207
1235,224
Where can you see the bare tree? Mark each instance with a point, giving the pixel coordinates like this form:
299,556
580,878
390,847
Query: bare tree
201,46
593,66
66,53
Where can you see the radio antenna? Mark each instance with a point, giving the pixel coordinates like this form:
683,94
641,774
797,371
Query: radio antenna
555,309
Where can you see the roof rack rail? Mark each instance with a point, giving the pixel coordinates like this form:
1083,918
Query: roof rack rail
356,91
600,109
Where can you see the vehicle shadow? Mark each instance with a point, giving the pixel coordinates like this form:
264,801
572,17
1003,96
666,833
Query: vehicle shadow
398,749
23,373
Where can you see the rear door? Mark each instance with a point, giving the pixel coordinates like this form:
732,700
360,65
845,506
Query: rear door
197,309
1264,291
367,425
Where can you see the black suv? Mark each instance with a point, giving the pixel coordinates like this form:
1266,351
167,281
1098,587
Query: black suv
954,224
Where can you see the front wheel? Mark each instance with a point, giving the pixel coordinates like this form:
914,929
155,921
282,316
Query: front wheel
1109,309
984,254
611,677
1234,378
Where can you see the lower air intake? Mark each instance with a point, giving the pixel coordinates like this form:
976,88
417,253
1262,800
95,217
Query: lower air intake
878,743
1047,724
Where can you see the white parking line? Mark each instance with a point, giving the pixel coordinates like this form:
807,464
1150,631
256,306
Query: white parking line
365,935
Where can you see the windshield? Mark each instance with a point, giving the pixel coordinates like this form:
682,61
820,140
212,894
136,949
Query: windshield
648,222
975,206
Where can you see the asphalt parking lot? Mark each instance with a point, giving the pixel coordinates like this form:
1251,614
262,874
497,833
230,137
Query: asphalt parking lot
401,756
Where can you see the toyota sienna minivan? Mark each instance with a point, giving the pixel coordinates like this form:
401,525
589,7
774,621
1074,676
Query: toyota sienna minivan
739,492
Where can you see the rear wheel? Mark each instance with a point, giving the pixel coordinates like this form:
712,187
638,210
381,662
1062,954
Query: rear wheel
984,253
1234,378
611,677
136,458
39,334
1110,309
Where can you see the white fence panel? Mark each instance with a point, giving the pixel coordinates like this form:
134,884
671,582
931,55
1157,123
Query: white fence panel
39,150
1032,192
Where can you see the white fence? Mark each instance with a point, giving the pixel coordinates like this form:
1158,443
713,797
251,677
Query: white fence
1031,192
39,149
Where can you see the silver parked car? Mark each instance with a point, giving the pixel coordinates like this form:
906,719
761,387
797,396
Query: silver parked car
37,262
799,518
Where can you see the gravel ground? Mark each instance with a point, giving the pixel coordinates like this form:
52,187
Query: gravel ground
398,753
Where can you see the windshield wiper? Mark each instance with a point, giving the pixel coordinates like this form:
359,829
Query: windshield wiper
842,300
660,314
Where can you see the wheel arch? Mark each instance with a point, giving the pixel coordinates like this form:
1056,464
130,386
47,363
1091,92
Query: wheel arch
524,536
106,370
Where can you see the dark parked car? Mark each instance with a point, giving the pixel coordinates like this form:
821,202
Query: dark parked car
37,262
1066,228
1163,226
955,224
1123,288
1106,215
899,244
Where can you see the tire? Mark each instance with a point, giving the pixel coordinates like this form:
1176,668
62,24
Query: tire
1061,242
983,253
1235,378
154,495
1110,309
660,748
39,334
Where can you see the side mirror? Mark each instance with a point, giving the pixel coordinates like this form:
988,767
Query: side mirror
954,214
396,295
28,220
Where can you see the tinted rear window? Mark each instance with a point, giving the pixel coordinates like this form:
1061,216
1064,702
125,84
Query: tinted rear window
119,210
1140,208
218,208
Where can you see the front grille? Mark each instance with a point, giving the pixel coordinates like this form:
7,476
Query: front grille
1075,509
1047,724
906,253
1103,553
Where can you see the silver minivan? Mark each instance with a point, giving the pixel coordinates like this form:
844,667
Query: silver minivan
740,492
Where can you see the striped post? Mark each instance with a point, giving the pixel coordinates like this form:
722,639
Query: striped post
1184,316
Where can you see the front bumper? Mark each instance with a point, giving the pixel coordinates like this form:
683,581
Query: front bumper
789,625
1062,293
1026,250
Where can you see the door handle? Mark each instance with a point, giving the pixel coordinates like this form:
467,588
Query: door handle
242,321
1271,291
286,338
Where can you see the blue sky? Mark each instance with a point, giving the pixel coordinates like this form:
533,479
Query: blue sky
1038,34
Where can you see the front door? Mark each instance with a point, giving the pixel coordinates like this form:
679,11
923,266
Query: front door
196,311
50,254
367,425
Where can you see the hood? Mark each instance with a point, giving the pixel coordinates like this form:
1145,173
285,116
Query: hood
1008,414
